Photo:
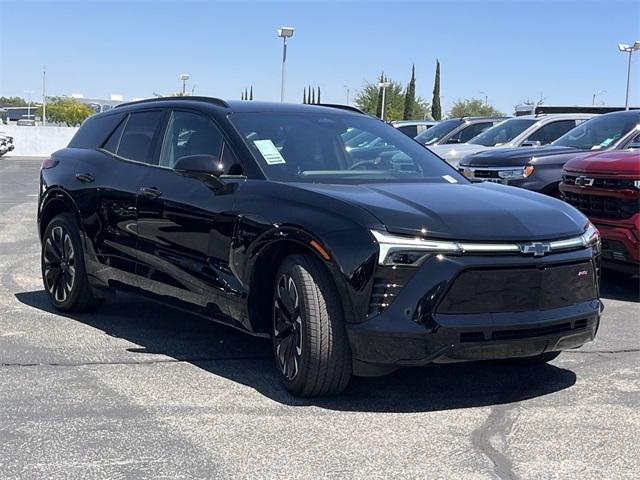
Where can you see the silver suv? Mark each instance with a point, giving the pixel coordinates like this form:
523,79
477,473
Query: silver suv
523,131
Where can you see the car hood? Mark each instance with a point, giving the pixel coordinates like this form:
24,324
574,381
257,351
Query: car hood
609,163
498,157
463,211
454,153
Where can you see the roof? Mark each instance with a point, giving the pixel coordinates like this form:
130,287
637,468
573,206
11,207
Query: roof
413,122
247,106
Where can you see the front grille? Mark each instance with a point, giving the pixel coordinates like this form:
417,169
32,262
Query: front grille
515,334
520,289
485,174
603,206
610,183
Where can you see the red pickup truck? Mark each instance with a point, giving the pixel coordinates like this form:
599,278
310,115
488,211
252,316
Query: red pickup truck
606,188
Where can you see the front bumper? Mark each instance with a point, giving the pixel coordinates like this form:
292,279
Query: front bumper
620,244
411,332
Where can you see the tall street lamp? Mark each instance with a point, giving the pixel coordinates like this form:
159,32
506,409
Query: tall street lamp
184,77
284,33
348,91
383,86
629,49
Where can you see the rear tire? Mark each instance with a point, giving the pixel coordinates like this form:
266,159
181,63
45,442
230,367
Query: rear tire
63,271
309,339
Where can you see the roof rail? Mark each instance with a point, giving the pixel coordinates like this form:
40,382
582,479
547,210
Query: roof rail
340,106
212,100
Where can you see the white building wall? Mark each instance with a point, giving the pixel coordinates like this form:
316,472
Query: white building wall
37,141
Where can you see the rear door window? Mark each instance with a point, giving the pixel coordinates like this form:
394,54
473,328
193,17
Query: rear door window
138,139
467,133
551,131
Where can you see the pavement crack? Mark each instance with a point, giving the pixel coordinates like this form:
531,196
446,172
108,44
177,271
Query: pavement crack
494,431
596,352
134,362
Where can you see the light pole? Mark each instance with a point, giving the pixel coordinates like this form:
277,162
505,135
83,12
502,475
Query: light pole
593,100
629,49
348,91
486,98
284,33
44,96
184,77
383,86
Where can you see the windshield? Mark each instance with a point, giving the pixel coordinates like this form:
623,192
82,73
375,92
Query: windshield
503,132
599,132
438,131
311,147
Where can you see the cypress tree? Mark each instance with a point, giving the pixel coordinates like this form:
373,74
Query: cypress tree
251,93
304,95
410,96
379,106
318,94
436,109
246,94
313,96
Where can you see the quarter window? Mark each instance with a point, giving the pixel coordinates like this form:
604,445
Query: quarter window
189,134
137,139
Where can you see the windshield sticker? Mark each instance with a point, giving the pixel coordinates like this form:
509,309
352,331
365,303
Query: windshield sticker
269,152
607,142
450,179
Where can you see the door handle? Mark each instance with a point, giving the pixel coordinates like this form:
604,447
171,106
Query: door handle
85,177
150,192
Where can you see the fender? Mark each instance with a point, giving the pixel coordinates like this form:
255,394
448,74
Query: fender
349,267
59,194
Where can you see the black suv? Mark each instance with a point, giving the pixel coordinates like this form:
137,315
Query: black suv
354,261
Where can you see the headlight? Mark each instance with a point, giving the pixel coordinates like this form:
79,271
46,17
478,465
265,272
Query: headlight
591,235
520,172
397,250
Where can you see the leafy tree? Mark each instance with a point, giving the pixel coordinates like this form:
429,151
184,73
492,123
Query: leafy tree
472,107
410,96
436,109
13,102
67,110
369,99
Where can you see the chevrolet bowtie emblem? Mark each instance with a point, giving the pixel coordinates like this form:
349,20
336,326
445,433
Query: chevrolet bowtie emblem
583,181
537,249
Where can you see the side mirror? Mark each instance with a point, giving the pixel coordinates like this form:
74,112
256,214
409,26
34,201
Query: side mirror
532,143
205,167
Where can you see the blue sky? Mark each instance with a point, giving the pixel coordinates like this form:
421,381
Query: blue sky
513,51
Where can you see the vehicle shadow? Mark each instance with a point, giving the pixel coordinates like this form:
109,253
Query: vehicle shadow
618,286
247,360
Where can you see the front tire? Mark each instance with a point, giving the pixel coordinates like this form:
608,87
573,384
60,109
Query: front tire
63,272
309,338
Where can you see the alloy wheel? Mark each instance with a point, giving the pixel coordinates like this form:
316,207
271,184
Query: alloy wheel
287,327
59,264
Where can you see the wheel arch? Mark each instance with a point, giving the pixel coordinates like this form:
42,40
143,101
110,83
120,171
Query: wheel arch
263,269
55,202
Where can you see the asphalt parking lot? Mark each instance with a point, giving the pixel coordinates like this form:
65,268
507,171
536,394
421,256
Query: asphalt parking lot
136,390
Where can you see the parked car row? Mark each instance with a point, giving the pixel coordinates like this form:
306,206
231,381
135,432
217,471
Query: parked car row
604,186
6,143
